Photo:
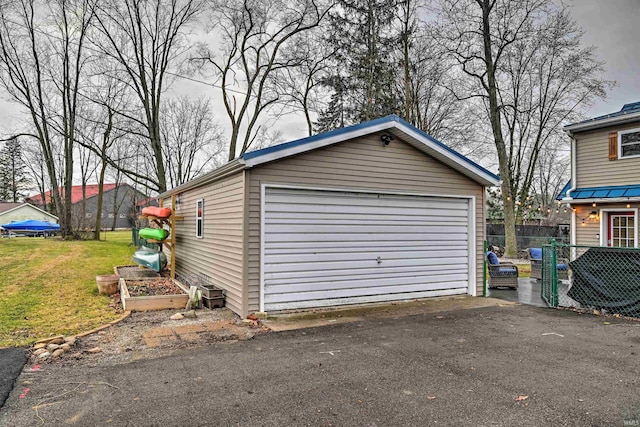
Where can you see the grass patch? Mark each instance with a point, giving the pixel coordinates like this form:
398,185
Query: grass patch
48,286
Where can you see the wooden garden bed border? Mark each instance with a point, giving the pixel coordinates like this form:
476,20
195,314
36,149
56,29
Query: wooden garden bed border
152,302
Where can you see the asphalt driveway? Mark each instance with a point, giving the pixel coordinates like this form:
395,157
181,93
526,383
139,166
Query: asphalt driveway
11,362
493,366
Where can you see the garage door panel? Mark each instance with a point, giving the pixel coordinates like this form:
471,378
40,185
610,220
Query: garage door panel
345,201
434,237
364,273
343,265
364,291
425,255
459,217
452,279
335,229
356,279
318,247
333,302
322,247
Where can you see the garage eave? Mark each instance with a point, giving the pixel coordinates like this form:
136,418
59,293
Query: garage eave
393,124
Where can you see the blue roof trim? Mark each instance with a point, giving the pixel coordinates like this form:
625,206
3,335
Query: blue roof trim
630,108
563,192
317,137
361,126
606,192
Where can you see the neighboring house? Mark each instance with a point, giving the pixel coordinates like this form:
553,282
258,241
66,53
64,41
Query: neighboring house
118,205
604,190
379,211
22,212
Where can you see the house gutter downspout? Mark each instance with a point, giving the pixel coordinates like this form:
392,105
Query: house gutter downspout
573,187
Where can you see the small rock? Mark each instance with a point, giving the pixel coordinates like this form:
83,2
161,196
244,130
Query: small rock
50,340
76,355
57,340
44,355
177,316
94,350
102,333
252,317
65,347
52,347
246,322
39,351
70,341
39,346
59,352
191,314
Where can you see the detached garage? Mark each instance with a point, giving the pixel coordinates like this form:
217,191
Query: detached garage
374,212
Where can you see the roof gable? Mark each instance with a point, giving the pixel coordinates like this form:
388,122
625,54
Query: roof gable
17,206
392,124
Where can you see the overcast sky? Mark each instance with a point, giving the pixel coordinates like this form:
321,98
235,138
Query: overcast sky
610,25
613,27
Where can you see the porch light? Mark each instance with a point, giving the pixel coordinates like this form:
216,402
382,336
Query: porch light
594,204
628,205
593,215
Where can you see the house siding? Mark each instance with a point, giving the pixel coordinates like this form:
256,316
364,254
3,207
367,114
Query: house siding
362,163
588,232
593,167
220,253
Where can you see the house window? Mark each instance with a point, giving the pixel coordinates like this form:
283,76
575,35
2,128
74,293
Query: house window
199,218
629,143
88,215
122,216
110,215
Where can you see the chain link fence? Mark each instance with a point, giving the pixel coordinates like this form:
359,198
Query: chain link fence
593,278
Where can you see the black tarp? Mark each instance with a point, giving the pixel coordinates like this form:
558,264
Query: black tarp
607,279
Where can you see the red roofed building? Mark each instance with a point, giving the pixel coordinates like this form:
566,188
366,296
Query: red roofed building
118,205
76,193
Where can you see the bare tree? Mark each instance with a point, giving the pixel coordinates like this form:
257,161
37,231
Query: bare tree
488,38
300,88
191,140
42,56
254,34
146,39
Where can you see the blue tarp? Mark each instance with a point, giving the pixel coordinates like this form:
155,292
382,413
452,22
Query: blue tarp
31,225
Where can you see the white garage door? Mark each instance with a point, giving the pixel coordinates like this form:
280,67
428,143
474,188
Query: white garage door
323,248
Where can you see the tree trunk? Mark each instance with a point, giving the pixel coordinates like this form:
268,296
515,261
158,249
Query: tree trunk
496,127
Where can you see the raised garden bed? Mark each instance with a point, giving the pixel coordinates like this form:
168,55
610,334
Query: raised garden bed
157,293
133,272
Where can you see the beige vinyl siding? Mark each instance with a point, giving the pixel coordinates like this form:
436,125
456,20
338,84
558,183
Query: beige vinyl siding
220,253
593,167
363,163
588,231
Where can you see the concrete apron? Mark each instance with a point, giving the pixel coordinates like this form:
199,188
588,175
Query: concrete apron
286,321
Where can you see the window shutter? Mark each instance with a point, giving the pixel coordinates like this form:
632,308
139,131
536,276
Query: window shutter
613,146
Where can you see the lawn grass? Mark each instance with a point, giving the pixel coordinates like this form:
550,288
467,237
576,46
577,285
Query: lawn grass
48,286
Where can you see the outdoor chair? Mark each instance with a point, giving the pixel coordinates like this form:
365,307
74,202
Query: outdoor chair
501,274
535,256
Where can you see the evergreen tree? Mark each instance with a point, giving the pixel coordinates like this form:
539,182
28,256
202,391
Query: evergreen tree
366,43
13,176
